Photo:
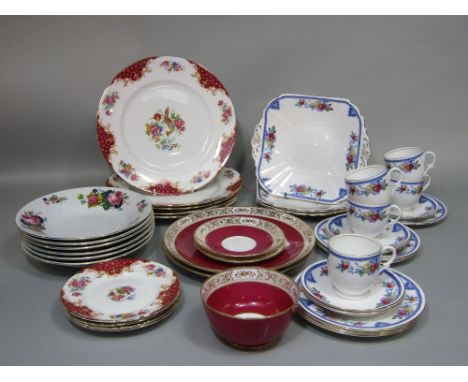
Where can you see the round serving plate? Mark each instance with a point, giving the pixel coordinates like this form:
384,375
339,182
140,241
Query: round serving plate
239,239
83,250
80,264
226,184
166,125
83,256
179,215
179,241
82,214
120,291
390,322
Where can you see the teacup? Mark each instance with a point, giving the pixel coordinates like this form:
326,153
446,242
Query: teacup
354,263
406,194
371,220
372,184
412,162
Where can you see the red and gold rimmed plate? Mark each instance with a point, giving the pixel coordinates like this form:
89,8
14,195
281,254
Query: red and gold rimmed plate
166,125
120,291
180,244
238,239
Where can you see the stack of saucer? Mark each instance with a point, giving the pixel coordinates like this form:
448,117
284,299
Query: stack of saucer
214,240
302,147
393,304
428,211
121,295
222,191
173,149
83,226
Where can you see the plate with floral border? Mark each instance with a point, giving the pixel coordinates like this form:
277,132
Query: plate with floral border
180,244
440,214
226,184
334,141
83,213
120,290
408,251
387,292
390,322
166,125
397,235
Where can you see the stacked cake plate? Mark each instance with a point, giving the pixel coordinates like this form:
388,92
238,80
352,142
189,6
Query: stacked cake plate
121,295
167,126
86,225
393,305
214,240
302,147
222,191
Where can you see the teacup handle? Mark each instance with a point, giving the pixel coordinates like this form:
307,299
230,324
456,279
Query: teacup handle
398,180
430,165
427,182
394,220
389,262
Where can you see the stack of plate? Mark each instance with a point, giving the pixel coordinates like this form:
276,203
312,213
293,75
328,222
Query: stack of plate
214,240
83,226
167,126
428,211
393,305
405,240
121,295
222,191
302,148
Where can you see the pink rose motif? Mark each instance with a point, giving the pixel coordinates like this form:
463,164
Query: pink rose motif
115,199
92,199
33,220
180,124
134,177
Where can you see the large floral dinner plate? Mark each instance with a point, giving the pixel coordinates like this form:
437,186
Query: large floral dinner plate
225,185
166,125
120,290
180,244
83,213
307,144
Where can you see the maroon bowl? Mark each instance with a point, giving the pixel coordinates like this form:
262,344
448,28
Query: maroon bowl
249,307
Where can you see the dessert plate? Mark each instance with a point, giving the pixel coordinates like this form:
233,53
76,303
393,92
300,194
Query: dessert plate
440,214
397,236
409,250
225,185
307,145
400,318
180,244
239,238
83,214
121,290
166,125
387,292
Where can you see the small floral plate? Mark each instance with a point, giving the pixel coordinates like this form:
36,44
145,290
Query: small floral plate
84,213
387,292
307,144
399,318
440,214
166,125
397,236
407,252
120,290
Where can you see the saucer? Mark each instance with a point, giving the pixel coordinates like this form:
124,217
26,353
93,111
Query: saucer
396,236
396,320
409,250
425,208
440,214
387,292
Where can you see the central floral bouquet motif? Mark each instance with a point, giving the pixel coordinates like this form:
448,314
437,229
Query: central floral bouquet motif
107,199
164,128
122,293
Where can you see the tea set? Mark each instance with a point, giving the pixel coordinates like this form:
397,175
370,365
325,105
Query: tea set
311,156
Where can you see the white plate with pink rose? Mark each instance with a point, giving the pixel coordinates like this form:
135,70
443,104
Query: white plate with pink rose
83,213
